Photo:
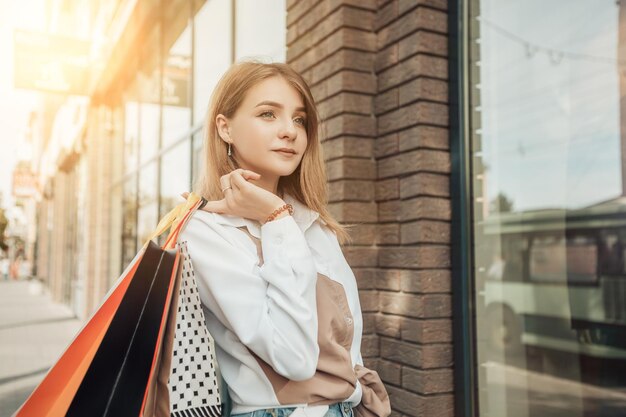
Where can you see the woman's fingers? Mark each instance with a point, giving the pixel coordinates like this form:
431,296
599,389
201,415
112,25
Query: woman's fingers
250,175
237,180
218,206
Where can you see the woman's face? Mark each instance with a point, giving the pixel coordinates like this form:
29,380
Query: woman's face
271,116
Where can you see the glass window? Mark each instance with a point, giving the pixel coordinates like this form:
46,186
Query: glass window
149,80
175,175
131,128
547,125
261,30
177,74
148,184
198,156
116,233
147,219
212,51
129,221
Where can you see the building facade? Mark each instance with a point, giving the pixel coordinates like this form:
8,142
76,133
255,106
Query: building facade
478,145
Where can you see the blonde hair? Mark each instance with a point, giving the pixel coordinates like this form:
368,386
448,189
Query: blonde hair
308,183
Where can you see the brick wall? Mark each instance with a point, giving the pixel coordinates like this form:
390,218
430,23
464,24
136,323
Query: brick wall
378,70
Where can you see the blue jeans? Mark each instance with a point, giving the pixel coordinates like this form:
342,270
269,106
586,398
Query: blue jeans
343,409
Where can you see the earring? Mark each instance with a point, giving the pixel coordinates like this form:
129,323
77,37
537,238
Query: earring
229,151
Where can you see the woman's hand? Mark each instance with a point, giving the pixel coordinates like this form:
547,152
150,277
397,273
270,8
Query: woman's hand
243,198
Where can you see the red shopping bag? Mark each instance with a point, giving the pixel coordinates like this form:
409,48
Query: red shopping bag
118,363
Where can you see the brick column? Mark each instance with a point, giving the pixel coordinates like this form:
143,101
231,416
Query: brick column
378,70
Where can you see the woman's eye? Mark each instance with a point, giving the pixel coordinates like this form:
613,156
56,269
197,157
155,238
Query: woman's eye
301,120
267,112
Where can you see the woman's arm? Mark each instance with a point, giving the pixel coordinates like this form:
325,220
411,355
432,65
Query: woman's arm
272,308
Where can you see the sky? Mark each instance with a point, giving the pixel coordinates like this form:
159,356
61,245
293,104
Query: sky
550,127
550,119
15,105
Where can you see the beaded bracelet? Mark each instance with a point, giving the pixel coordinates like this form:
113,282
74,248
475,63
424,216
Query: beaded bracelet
278,211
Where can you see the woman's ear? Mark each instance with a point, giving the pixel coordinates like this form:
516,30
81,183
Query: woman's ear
221,123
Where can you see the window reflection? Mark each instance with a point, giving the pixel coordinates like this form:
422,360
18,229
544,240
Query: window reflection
149,79
174,181
131,125
549,223
129,221
198,157
148,184
176,82
261,30
146,222
213,52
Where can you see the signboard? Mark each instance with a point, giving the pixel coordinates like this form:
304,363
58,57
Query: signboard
24,181
51,63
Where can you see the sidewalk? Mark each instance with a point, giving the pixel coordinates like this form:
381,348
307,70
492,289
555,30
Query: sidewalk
34,332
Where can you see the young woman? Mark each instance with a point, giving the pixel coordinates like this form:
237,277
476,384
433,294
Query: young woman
280,300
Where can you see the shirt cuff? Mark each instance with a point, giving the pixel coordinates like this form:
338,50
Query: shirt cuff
283,238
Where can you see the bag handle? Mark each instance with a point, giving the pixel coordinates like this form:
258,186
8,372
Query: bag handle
176,219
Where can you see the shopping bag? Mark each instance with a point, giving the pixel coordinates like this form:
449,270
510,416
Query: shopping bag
125,361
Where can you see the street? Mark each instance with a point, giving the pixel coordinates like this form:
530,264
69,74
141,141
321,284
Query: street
34,332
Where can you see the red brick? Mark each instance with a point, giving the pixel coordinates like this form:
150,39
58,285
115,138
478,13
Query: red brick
426,281
432,381
418,306
418,18
388,189
360,256
388,234
425,231
359,190
422,42
419,356
369,300
414,256
421,160
426,330
424,137
425,208
388,325
425,184
413,114
416,66
348,146
370,346
351,168
386,145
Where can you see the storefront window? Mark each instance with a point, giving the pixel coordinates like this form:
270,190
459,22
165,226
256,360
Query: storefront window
149,80
148,184
131,128
176,82
213,50
175,176
146,222
261,30
129,221
198,156
548,143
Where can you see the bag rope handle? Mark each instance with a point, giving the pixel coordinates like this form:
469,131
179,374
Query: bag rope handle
176,220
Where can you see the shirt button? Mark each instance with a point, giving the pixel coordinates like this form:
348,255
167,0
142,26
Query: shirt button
348,320
278,240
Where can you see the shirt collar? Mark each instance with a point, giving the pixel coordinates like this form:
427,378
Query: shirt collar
302,214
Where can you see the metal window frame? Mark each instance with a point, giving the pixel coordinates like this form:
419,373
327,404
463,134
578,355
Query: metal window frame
462,250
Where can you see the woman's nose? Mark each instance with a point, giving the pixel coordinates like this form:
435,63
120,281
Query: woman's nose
289,130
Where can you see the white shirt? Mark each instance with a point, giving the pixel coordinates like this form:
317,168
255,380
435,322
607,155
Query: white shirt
269,310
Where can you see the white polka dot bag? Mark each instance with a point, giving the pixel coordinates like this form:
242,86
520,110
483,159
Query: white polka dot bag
187,379
193,382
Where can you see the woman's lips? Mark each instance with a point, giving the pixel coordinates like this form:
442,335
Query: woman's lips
284,153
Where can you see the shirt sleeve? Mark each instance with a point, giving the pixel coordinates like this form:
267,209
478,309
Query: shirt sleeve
271,308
